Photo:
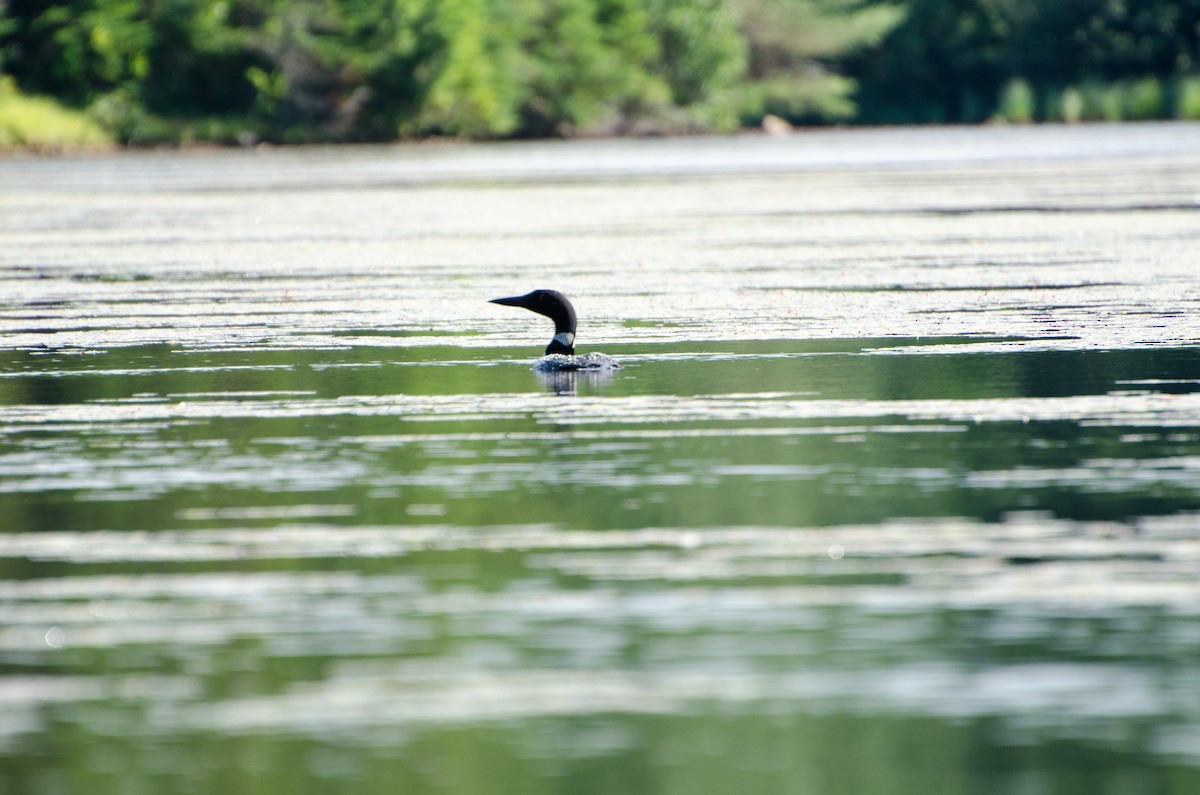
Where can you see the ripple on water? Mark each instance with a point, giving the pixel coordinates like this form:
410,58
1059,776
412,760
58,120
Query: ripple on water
271,466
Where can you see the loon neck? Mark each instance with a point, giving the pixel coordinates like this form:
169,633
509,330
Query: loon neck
563,315
563,342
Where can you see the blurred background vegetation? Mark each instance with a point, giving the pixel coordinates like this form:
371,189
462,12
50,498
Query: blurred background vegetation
86,72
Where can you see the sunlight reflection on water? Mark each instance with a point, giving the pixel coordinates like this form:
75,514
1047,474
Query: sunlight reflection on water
898,457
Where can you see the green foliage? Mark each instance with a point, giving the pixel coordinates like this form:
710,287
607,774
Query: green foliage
1016,104
122,115
588,60
1066,106
786,34
954,60
371,70
1122,100
473,89
1187,99
701,48
795,48
1145,99
42,123
311,70
808,99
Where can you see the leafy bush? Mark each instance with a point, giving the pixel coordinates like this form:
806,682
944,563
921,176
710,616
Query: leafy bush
1016,103
42,123
1187,99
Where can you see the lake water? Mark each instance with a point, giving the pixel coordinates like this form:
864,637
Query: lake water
896,491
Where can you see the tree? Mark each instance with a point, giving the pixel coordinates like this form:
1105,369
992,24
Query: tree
796,48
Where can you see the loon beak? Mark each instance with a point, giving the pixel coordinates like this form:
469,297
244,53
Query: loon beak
517,300
544,302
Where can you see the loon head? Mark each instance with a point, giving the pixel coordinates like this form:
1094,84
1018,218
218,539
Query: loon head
555,306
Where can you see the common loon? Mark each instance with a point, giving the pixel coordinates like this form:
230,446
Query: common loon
560,353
